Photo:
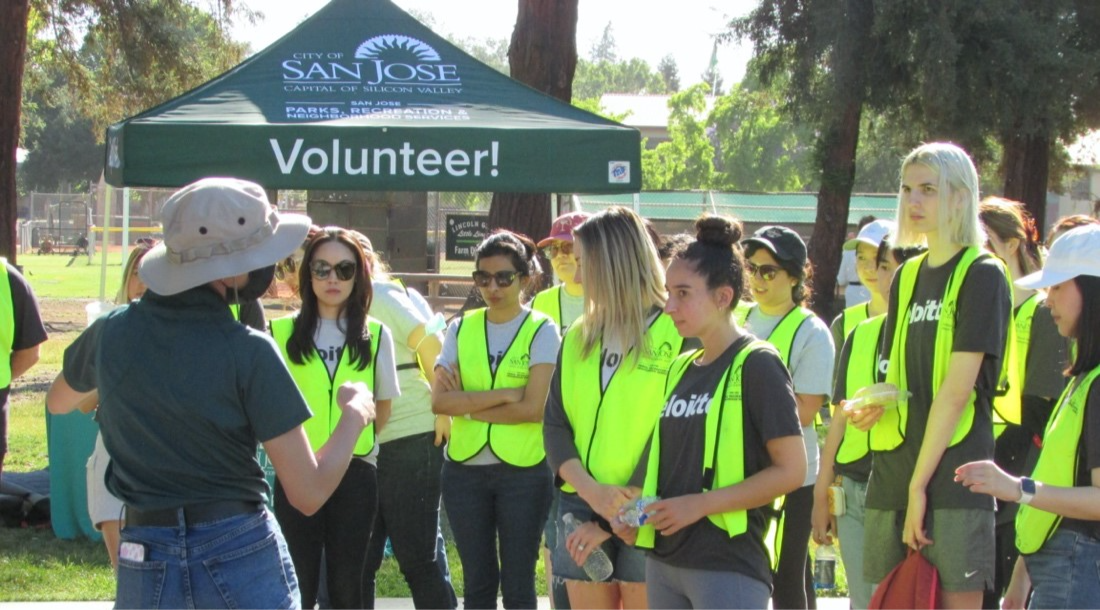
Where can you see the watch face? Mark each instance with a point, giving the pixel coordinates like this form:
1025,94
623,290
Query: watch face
1028,486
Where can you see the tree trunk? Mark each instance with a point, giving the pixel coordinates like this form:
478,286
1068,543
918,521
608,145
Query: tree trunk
836,148
13,45
838,171
542,55
1026,168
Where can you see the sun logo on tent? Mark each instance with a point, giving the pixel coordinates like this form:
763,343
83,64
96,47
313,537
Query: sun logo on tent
375,47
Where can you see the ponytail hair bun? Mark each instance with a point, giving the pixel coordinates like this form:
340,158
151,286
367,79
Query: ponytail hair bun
718,230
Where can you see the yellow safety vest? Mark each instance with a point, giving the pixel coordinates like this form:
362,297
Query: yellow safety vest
1008,405
611,431
235,310
1057,465
853,315
888,433
782,339
862,372
782,336
724,449
319,389
549,302
515,444
7,325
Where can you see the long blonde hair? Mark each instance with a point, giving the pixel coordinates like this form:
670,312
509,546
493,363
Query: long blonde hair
129,269
623,279
958,190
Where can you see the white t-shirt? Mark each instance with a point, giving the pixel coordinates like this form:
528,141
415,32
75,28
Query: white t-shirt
402,312
811,364
544,350
848,278
330,338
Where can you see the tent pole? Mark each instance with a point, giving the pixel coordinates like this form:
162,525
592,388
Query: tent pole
638,204
107,201
125,224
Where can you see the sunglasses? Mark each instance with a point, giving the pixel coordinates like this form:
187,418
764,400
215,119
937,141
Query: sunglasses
764,272
503,279
553,250
345,270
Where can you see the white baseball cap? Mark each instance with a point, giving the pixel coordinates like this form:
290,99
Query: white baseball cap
1075,253
872,233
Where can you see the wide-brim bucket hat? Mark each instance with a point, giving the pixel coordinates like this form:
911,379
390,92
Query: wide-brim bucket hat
216,228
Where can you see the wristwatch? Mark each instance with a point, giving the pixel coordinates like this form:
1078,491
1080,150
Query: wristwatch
1027,490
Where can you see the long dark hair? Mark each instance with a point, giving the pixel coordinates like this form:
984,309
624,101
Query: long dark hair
1088,326
300,347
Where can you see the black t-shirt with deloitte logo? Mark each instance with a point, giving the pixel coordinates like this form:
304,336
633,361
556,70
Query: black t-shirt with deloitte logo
769,412
981,322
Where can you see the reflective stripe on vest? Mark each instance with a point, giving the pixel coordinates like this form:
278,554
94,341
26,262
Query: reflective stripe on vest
888,433
610,433
853,316
319,388
862,372
1057,465
549,302
515,444
724,449
1008,405
7,326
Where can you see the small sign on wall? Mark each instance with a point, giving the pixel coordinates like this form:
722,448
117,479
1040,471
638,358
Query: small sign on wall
464,233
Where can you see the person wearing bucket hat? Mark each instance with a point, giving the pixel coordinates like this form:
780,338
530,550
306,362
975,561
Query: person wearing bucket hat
779,273
1058,523
946,332
185,395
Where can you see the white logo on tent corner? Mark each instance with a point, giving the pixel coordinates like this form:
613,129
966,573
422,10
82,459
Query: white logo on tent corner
113,160
374,47
618,172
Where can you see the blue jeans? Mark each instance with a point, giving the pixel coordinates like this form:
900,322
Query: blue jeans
409,469
850,533
236,562
1065,573
629,562
341,530
498,501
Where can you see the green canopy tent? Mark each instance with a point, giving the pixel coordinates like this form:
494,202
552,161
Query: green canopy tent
362,96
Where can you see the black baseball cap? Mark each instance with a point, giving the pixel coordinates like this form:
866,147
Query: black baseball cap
782,242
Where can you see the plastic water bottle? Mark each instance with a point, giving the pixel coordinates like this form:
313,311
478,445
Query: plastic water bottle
598,565
825,567
633,513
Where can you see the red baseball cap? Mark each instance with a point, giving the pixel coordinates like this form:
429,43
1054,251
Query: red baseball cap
563,226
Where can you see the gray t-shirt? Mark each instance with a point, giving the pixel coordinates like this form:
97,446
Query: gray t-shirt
812,359
544,350
769,412
981,322
402,311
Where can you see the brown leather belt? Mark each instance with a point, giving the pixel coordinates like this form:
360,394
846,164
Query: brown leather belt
192,514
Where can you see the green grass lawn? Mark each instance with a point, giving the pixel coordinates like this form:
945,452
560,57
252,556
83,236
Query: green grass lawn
52,275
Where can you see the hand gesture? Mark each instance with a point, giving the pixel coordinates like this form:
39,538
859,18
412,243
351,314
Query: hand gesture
442,429
356,400
448,380
986,478
823,523
674,514
914,535
585,539
606,500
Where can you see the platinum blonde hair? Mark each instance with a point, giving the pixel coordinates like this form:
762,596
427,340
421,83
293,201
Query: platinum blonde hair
958,190
623,279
